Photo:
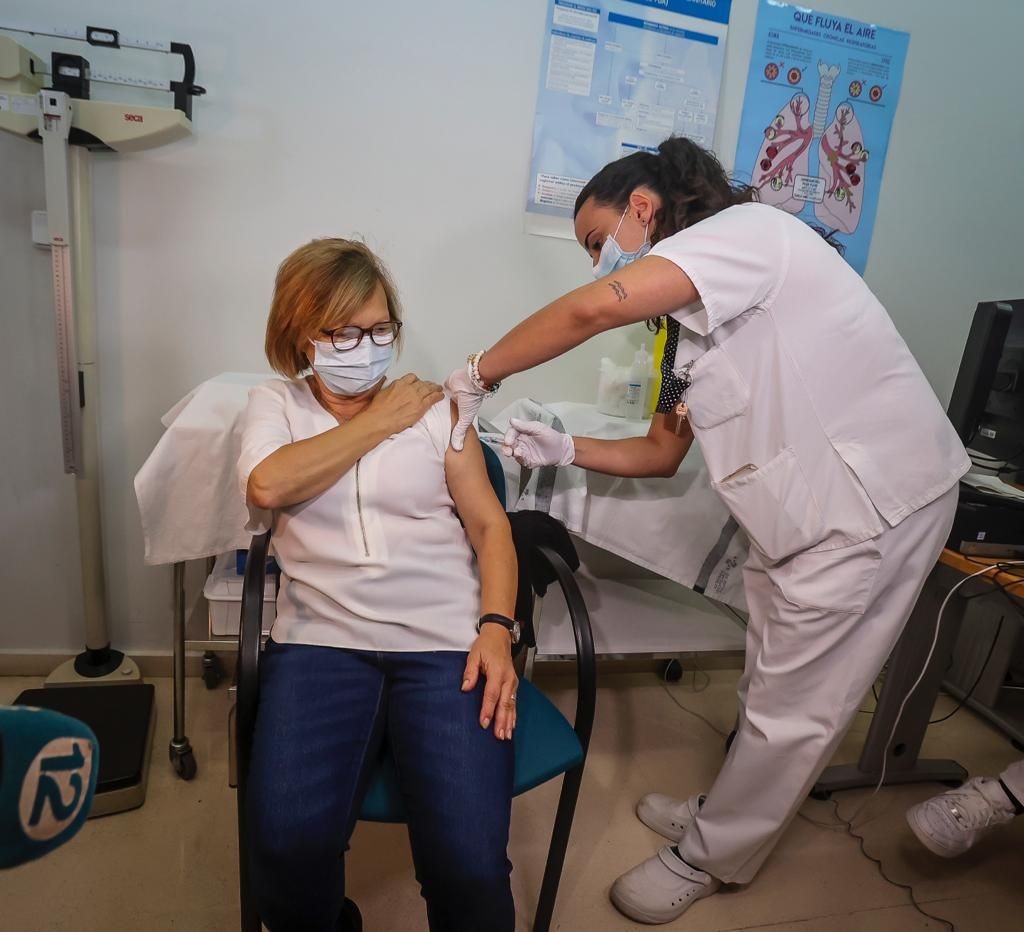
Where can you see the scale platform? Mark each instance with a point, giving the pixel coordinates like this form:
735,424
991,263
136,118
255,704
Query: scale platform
122,718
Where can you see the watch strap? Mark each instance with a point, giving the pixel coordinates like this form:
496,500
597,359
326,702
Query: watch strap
509,624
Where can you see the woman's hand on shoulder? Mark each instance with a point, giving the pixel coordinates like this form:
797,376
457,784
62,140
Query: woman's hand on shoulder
402,403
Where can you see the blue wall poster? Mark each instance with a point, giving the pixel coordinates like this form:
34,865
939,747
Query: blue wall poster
821,96
618,76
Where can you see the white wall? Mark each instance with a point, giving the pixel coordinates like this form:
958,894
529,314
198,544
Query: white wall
409,123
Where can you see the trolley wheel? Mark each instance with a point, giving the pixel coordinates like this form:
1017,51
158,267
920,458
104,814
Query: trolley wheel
821,795
671,671
184,764
729,740
213,670
351,918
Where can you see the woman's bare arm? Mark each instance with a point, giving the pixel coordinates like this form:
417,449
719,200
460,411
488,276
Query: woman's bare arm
650,287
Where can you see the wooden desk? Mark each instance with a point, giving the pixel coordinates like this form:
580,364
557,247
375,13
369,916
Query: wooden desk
981,658
967,565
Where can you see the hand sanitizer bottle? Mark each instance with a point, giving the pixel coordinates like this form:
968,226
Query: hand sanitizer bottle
639,385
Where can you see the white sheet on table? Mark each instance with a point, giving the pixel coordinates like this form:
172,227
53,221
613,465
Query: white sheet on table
187,488
678,527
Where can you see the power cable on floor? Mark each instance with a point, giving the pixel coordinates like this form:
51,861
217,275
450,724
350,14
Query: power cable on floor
664,685
881,870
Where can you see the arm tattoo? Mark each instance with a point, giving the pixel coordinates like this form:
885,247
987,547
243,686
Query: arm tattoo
620,292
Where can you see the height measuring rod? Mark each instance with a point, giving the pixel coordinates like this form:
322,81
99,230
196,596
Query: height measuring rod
69,124
54,129
68,181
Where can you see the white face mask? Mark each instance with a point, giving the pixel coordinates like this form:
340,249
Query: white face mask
612,257
354,371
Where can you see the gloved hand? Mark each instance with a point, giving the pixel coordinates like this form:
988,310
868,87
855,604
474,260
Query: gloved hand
535,444
469,399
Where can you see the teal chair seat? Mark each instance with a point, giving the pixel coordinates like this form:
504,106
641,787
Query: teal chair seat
545,746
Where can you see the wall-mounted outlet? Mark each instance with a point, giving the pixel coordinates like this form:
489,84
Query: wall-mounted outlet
40,229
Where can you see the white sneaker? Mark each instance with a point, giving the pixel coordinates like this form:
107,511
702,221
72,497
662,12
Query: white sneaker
661,889
950,824
668,816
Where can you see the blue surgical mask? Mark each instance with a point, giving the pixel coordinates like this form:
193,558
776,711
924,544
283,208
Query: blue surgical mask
612,257
353,371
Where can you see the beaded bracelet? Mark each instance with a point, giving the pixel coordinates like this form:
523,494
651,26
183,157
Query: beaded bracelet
473,370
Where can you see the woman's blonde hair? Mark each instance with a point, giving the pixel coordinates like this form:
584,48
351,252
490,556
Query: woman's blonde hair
321,286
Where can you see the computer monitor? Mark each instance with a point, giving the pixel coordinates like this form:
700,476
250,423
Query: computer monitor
987,406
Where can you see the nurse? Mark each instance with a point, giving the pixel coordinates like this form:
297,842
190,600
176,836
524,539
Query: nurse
822,437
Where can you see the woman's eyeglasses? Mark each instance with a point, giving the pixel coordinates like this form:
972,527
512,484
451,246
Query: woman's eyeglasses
348,338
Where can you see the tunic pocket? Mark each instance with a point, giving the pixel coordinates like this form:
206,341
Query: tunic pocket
774,505
718,392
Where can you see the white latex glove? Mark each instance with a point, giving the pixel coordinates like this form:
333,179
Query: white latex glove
535,444
469,399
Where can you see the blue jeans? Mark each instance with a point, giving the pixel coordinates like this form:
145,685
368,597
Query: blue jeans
323,716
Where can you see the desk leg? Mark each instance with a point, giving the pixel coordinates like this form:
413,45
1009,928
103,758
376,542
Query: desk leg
180,750
905,666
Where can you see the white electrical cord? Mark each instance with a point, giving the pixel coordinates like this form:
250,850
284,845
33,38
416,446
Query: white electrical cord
924,669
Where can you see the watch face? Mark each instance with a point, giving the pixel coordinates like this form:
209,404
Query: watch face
517,631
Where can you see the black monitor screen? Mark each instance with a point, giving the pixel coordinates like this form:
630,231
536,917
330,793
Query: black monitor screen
999,432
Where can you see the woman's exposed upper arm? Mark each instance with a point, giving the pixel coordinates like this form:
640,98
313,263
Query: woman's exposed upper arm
650,287
730,262
470,486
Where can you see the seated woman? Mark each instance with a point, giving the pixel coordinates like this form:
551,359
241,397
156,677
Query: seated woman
388,627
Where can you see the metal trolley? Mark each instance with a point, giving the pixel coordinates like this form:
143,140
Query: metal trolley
180,748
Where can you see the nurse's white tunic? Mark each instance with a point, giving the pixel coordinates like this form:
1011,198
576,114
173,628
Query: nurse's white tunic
817,425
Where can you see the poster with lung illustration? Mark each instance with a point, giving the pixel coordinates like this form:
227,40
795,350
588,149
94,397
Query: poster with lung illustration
821,97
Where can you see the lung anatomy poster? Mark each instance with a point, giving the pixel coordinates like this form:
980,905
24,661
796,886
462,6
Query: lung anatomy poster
821,97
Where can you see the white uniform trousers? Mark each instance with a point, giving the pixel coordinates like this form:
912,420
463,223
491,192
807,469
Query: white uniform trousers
821,627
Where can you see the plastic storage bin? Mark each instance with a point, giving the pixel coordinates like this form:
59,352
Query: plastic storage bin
223,590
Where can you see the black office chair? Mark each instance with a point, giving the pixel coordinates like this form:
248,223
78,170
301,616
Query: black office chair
545,744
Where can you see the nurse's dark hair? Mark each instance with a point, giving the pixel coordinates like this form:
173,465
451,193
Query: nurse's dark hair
688,178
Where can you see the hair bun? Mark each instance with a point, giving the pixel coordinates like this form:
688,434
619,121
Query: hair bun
688,178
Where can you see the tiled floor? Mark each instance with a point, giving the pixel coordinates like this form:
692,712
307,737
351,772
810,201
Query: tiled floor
171,865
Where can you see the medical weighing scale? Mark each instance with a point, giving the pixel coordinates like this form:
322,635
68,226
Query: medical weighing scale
51,103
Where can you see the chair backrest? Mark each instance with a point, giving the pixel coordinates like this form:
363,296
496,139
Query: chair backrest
250,639
247,673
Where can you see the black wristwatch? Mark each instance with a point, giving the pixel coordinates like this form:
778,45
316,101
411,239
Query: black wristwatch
509,624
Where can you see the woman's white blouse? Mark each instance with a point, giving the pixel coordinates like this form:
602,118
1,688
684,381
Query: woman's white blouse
380,560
